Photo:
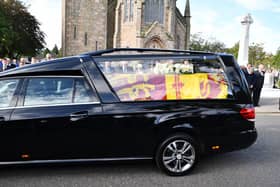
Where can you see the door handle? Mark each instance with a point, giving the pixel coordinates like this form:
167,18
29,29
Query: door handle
78,116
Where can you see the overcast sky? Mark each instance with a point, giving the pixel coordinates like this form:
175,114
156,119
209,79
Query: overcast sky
218,19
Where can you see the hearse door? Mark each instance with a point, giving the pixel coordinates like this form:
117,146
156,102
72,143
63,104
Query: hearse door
14,137
61,131
63,111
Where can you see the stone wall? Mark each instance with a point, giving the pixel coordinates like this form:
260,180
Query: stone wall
180,37
111,23
89,17
128,29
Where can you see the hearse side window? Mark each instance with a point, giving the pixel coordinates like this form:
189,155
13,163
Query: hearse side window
83,93
48,91
7,91
167,79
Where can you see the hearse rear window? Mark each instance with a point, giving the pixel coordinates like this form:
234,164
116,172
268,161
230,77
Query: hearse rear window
167,79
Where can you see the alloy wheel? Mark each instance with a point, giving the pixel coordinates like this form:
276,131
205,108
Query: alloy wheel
179,156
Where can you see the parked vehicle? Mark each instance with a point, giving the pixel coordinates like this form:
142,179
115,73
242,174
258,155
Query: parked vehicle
126,104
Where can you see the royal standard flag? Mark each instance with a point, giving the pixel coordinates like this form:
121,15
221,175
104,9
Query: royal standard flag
141,87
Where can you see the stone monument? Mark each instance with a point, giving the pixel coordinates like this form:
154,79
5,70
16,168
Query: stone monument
243,53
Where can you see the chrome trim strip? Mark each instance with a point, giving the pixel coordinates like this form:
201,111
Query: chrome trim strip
73,160
39,106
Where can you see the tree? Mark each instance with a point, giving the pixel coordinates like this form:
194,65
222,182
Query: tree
6,32
276,59
45,52
257,55
60,54
234,50
20,32
197,43
55,50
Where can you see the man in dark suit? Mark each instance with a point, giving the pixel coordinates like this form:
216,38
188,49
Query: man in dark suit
250,77
259,84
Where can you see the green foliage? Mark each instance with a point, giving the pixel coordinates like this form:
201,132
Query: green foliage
234,50
45,52
276,59
55,50
278,84
6,32
257,54
60,53
197,43
20,32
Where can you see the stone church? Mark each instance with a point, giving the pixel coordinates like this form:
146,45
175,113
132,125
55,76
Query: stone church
89,25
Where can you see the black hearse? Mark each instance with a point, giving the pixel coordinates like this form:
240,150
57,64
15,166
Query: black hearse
125,104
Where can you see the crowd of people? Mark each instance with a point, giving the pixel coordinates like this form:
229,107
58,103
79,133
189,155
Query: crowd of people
7,63
256,79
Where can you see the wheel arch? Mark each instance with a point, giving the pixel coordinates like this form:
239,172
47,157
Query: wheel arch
179,129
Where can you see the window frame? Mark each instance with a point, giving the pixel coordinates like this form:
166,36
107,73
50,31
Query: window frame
23,91
117,58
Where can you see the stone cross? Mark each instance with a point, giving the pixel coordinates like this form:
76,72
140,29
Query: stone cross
243,54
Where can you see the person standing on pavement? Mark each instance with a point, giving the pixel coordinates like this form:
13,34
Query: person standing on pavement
4,64
250,77
22,62
275,73
48,57
10,65
259,74
1,65
34,60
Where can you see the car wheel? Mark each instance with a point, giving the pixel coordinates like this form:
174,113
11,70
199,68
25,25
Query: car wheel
177,155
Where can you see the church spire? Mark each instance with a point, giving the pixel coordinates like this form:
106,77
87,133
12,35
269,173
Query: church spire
187,16
187,9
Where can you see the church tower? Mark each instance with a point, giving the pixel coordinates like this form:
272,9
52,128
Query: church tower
151,24
89,25
84,25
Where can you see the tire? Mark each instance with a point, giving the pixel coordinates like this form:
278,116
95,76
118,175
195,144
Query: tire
177,155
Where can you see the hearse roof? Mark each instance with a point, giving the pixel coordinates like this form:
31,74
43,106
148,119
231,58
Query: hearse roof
55,67
134,51
73,64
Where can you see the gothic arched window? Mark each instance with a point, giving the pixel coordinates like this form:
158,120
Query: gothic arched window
154,11
128,10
